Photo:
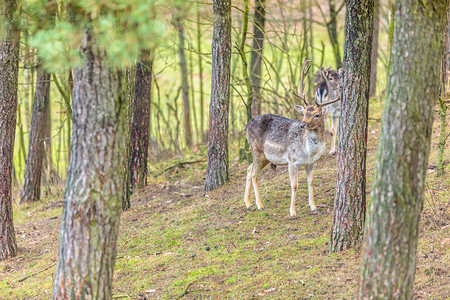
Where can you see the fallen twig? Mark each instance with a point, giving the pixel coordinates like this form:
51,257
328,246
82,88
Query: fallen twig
121,296
28,276
179,164
185,291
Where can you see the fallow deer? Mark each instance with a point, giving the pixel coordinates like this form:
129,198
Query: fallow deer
333,83
282,141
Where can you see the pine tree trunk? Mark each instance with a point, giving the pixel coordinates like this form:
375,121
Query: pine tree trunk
374,59
94,188
350,199
9,66
184,87
200,70
31,190
140,130
217,170
392,227
442,112
129,97
257,50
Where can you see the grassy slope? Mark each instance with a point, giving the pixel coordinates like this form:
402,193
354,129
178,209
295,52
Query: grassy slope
252,254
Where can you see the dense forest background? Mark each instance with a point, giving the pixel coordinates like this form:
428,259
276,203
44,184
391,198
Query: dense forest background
288,39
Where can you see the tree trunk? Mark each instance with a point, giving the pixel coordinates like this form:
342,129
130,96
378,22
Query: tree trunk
392,228
128,86
217,170
332,33
374,59
94,188
350,199
257,50
200,70
442,112
31,190
9,66
140,131
184,87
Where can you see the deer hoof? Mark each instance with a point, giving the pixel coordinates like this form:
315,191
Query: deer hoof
251,208
292,216
314,210
261,208
332,152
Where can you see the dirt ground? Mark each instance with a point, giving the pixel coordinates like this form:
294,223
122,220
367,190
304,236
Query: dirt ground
179,242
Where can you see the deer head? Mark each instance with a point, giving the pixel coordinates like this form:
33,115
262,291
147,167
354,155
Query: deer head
318,77
333,78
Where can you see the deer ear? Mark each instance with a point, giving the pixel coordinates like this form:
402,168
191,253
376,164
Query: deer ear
325,110
340,71
299,108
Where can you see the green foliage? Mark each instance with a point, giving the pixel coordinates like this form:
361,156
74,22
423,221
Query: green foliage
120,28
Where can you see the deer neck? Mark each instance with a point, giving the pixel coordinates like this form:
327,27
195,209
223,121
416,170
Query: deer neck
317,133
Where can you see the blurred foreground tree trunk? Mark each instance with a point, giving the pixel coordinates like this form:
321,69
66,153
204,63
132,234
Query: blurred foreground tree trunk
256,58
374,59
31,190
94,189
9,66
392,228
140,130
350,199
217,170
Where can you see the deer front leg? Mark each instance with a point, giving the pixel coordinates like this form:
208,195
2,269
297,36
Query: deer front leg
248,187
293,176
334,130
309,178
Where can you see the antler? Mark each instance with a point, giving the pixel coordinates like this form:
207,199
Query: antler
329,102
306,66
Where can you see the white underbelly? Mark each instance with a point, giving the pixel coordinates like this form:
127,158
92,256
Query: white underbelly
275,153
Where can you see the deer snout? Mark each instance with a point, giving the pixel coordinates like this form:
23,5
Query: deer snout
303,125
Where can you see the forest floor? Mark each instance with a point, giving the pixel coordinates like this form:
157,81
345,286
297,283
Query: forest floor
178,242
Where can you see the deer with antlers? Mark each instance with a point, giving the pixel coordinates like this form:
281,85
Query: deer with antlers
329,85
282,141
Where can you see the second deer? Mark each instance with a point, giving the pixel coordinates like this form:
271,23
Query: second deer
282,141
329,85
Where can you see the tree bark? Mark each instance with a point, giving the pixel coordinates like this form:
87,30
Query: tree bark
184,87
217,170
94,188
350,199
200,70
128,86
140,131
443,107
257,50
392,228
374,59
31,190
9,66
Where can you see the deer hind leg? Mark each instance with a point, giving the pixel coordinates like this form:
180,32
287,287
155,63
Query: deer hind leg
257,166
293,176
309,178
248,188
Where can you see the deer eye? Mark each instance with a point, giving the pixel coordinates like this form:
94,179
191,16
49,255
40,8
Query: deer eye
317,115
331,78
